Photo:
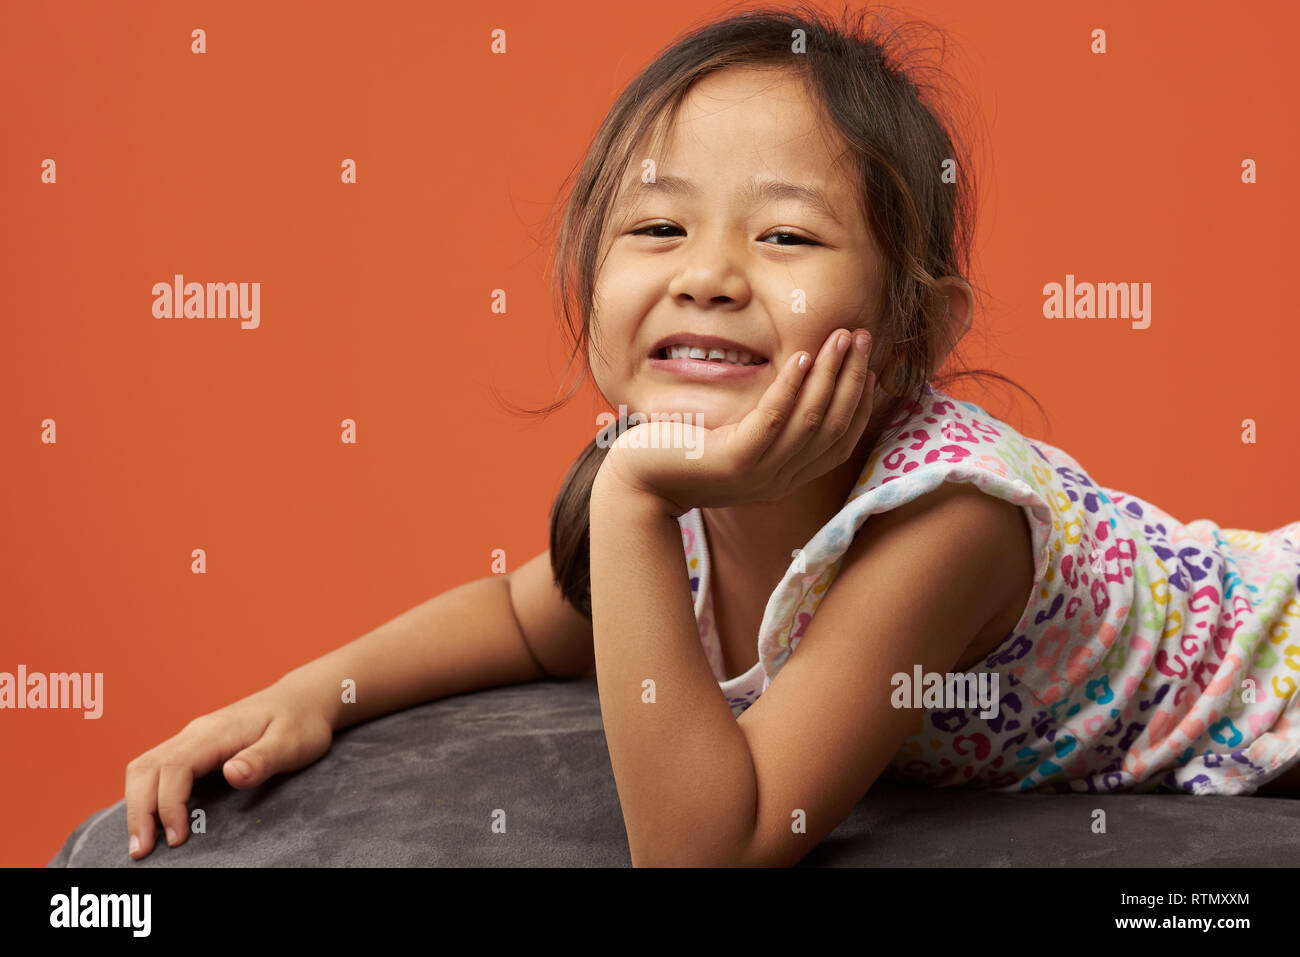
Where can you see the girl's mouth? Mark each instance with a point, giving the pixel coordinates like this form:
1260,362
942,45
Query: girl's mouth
714,354
708,365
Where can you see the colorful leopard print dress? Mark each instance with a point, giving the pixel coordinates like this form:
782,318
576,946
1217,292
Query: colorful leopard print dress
1153,654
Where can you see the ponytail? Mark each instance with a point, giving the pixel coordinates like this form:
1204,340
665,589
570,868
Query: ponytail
571,529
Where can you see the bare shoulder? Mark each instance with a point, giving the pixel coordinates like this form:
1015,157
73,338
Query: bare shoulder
961,519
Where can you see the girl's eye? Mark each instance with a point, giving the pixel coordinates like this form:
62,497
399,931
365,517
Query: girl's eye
799,240
802,239
645,230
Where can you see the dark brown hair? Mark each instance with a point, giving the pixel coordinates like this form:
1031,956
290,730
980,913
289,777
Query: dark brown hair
885,115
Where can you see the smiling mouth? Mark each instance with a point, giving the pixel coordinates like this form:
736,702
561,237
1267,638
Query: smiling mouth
735,357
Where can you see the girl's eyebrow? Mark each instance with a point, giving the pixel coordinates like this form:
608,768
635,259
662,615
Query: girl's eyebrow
754,189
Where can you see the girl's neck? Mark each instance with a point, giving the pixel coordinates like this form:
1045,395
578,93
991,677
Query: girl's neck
761,535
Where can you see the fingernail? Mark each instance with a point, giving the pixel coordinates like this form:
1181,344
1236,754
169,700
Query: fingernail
803,362
842,342
863,341
171,836
135,843
241,768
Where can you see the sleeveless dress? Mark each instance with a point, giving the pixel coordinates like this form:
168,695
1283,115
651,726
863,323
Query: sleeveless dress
1153,655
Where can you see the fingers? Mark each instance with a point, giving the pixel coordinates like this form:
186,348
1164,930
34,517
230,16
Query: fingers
809,416
271,752
141,802
174,784
760,428
160,780
862,400
157,782
847,415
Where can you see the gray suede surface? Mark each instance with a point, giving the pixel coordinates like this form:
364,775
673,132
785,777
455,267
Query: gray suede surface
419,788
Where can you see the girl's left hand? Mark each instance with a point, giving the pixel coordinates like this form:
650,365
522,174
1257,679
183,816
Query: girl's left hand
778,446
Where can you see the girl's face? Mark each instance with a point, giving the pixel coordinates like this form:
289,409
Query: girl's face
729,242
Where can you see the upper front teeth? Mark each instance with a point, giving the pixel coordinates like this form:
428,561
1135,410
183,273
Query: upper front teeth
734,356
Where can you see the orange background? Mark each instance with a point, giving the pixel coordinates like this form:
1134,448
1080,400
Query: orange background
185,433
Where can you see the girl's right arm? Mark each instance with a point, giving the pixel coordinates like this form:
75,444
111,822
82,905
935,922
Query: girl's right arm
492,631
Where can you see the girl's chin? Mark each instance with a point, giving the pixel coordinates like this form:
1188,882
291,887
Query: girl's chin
710,415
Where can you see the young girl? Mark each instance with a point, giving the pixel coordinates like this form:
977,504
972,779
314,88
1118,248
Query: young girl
767,258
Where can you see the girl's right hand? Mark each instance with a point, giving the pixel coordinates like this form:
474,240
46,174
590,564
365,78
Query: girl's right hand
278,729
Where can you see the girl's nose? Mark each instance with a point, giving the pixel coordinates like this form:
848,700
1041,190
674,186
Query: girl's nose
710,278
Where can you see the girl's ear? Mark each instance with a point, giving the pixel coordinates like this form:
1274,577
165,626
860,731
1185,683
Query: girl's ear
959,303
957,321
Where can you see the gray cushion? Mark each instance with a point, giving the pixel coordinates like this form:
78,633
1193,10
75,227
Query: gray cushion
419,788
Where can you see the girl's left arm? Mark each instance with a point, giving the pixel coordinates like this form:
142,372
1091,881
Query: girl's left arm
700,787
